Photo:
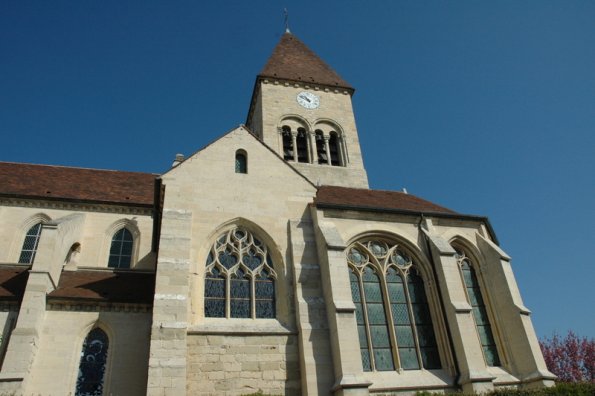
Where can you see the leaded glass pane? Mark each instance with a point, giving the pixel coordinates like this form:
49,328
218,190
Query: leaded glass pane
379,335
252,259
421,314
372,292
376,314
227,259
369,275
215,288
92,364
26,257
265,289
366,360
30,244
378,249
121,249
265,309
491,355
400,314
356,257
240,308
241,163
363,338
408,358
396,292
359,313
383,359
425,336
430,358
405,336
485,335
239,288
355,294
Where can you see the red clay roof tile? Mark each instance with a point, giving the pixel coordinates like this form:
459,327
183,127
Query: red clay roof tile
375,199
80,184
293,60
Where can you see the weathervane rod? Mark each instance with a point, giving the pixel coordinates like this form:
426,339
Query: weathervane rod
286,14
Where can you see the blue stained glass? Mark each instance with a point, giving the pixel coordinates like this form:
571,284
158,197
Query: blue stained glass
227,259
369,275
265,308
379,336
363,339
408,358
210,259
378,250
401,258
383,359
372,292
239,288
239,234
240,308
356,257
215,287
92,364
393,276
400,314
252,260
355,294
359,313
265,289
366,360
396,292
405,336
376,314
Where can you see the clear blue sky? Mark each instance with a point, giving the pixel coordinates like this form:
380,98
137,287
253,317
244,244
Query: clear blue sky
484,107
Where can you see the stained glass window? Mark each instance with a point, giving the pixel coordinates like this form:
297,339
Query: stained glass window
392,312
30,244
241,162
240,279
120,254
92,364
480,314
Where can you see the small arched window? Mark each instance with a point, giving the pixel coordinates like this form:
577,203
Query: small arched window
480,313
30,244
240,280
333,145
320,147
302,145
241,162
287,143
92,364
120,254
392,312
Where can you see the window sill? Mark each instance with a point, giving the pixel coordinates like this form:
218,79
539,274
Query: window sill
241,327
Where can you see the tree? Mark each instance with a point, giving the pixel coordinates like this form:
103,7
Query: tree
572,358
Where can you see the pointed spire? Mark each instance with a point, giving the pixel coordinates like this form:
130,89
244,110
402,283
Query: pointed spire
293,60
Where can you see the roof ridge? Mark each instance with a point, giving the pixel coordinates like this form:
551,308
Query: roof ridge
77,167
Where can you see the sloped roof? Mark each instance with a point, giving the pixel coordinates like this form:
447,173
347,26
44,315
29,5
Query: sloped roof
106,286
79,184
293,60
359,198
13,279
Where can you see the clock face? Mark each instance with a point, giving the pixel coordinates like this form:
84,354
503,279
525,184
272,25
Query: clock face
308,100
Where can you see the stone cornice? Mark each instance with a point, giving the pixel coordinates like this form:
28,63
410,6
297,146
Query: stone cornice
92,306
75,206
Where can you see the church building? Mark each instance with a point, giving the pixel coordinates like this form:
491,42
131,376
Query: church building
262,262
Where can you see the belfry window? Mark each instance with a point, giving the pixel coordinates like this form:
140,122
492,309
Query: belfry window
333,144
287,143
392,312
320,147
30,244
302,145
120,254
240,279
241,162
480,313
92,364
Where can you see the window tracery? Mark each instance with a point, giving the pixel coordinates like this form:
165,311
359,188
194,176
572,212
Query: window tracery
92,364
480,314
392,312
240,279
30,244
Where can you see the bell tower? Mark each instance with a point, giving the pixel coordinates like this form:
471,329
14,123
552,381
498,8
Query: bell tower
302,109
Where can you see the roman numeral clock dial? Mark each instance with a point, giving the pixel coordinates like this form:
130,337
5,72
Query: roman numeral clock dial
308,100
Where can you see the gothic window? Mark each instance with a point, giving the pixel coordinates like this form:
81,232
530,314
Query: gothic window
92,364
392,312
240,280
241,162
30,244
320,147
480,314
334,149
120,254
287,143
302,145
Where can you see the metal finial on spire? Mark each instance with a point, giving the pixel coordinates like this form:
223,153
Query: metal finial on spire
286,14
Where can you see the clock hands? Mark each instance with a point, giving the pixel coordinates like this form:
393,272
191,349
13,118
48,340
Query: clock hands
306,98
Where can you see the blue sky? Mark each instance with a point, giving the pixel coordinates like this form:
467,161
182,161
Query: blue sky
484,107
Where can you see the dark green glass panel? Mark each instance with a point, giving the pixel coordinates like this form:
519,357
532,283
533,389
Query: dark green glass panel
115,247
417,293
215,288
227,259
480,315
113,261
265,309
408,358
363,339
421,314
355,294
240,288
372,292
376,314
240,308
485,335
400,314
26,257
379,336
430,358
126,248
468,277
474,297
359,314
214,308
425,336
35,230
366,360
383,359
405,336
491,355
396,292
265,289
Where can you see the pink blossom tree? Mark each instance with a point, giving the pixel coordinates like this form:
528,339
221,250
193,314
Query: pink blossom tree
572,358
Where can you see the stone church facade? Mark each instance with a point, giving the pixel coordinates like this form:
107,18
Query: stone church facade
261,262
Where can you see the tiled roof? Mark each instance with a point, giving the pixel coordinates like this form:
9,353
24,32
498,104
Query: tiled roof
375,199
79,184
292,60
106,286
13,279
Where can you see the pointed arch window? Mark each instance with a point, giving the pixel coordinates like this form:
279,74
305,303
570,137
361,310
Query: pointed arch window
30,244
480,313
120,255
92,364
392,312
240,279
287,143
241,162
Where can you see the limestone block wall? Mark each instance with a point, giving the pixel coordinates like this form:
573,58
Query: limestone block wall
56,367
243,364
101,222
